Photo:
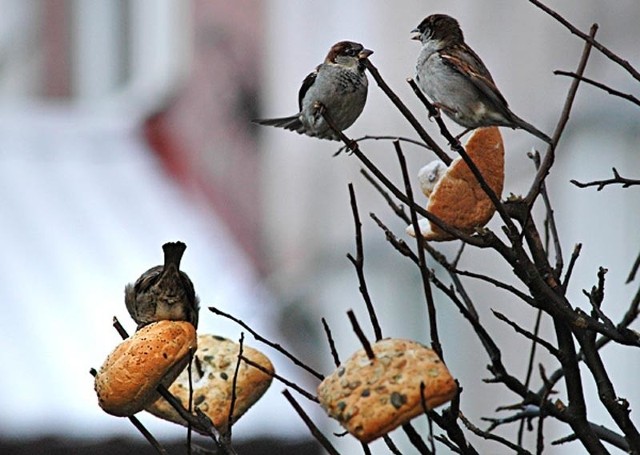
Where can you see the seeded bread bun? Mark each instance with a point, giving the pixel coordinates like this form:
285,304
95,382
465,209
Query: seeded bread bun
372,397
457,198
155,354
212,379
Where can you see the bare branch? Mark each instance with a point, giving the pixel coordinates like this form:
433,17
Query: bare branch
600,85
616,180
315,431
271,344
358,263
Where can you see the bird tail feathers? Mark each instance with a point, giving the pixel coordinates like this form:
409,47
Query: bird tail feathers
292,123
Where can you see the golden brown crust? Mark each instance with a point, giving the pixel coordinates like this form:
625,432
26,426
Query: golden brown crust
457,198
212,390
156,353
371,398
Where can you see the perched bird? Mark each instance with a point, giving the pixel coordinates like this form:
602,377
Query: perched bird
163,291
450,73
339,84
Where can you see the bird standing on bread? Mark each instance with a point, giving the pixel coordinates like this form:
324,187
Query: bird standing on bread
339,84
452,75
163,291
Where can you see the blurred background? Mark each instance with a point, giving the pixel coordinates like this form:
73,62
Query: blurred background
125,124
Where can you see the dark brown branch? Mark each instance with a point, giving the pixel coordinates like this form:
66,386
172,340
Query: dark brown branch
634,270
493,437
406,113
360,334
136,422
434,113
286,382
549,157
332,344
271,344
551,220
324,442
416,439
234,395
397,209
483,242
600,85
616,180
422,261
358,263
618,408
399,244
497,283
589,39
525,333
603,433
572,263
369,137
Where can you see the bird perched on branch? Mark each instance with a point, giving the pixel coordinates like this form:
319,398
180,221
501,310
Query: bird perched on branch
163,291
452,75
339,84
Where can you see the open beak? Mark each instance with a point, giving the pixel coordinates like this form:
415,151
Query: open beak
364,53
415,34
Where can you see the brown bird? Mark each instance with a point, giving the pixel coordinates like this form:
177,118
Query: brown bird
452,75
163,292
339,84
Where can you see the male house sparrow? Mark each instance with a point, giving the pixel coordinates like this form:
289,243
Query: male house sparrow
339,84
163,291
456,80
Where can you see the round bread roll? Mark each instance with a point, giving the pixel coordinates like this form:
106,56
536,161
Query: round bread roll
155,354
372,397
457,198
212,374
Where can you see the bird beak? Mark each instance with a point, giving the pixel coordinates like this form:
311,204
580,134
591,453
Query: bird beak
364,53
415,34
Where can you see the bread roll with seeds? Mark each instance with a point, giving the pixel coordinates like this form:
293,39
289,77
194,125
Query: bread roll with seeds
372,397
212,379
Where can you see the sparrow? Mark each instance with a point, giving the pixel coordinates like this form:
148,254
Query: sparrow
163,292
452,75
339,84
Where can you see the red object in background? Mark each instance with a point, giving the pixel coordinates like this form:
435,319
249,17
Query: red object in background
205,136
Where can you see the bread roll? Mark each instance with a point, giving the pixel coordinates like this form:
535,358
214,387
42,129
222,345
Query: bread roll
213,379
155,354
372,397
457,198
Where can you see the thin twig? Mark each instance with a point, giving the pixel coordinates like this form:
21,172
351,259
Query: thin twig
406,113
398,209
332,344
525,333
271,344
493,437
358,263
549,157
422,264
360,334
141,428
369,137
616,180
234,384
600,85
589,39
290,384
315,431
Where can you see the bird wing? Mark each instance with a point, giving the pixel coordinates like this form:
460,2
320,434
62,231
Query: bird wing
306,84
463,61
